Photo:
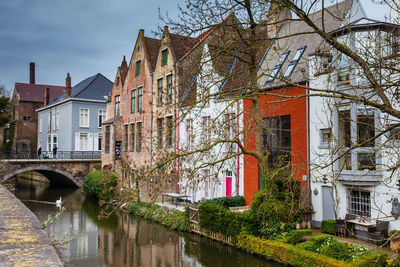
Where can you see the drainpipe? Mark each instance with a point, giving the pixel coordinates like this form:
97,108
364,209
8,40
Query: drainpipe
151,120
177,131
238,157
114,146
308,136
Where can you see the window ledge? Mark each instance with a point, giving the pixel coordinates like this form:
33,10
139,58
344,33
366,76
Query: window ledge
360,177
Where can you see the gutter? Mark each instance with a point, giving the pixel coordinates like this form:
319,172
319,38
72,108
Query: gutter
71,99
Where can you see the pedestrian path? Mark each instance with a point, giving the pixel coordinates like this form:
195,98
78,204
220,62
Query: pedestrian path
23,242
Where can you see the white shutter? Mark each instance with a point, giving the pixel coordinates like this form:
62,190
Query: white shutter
90,147
96,141
77,141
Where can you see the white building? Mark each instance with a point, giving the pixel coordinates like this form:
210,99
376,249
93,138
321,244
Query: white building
351,171
210,117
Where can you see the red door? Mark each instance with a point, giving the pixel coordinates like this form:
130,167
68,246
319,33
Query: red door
228,186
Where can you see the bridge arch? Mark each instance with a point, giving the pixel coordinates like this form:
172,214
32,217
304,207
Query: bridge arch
55,175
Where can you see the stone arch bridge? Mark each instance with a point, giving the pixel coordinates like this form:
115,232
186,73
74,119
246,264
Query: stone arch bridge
68,172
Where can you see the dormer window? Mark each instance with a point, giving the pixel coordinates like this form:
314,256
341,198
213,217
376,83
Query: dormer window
277,67
295,60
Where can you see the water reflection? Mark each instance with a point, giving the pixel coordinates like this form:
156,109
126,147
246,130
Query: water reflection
122,240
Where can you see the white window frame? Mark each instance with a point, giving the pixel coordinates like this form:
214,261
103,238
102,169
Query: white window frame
81,121
40,124
205,127
103,114
49,122
189,134
352,107
81,148
53,121
57,120
361,203
322,143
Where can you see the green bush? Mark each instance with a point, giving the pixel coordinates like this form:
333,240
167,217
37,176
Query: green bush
316,243
286,253
276,207
227,202
337,251
308,245
216,218
295,236
100,185
173,219
372,259
328,227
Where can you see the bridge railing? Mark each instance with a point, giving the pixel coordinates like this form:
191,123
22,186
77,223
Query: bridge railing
49,155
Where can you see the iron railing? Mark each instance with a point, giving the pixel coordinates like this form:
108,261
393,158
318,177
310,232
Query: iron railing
50,155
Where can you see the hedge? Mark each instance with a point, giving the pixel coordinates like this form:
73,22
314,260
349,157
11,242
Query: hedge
216,218
377,258
227,202
286,253
295,236
294,255
328,227
173,219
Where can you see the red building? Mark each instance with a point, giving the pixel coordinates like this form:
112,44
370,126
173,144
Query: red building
288,125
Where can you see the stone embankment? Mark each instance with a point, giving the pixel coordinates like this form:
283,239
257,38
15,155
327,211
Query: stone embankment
23,242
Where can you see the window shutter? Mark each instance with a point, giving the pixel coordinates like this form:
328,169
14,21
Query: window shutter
90,147
77,141
96,141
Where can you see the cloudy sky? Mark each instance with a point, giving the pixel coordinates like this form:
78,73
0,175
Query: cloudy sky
82,37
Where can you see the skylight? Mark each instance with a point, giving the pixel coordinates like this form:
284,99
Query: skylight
296,58
277,67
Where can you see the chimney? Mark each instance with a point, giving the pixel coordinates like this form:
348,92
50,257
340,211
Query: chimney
141,32
277,15
46,99
166,30
68,86
32,73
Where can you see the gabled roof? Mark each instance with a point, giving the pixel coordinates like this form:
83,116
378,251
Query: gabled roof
35,92
96,87
152,47
296,34
364,23
181,44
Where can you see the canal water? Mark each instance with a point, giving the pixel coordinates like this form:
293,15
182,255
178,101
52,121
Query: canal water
120,240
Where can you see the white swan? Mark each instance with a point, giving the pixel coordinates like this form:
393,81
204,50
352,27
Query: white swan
59,202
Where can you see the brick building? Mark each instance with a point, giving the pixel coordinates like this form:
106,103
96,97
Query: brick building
26,98
141,114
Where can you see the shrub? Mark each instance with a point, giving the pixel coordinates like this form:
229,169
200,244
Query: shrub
337,251
228,202
316,243
295,236
216,218
308,245
173,219
100,185
328,226
276,207
372,259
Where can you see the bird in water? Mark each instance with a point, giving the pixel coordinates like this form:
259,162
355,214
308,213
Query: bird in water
59,202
